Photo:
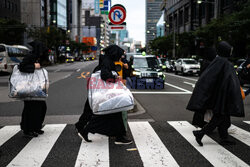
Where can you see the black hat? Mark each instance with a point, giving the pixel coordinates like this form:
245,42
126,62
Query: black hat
114,52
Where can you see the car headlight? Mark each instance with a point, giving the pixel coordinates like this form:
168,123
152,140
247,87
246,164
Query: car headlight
160,73
136,73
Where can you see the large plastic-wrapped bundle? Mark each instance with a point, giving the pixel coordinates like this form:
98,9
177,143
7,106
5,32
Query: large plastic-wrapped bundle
107,97
29,85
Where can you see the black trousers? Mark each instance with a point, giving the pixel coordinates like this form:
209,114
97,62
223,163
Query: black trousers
222,122
110,124
33,115
198,119
85,117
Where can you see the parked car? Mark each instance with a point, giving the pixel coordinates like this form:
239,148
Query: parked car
69,58
147,73
187,66
243,74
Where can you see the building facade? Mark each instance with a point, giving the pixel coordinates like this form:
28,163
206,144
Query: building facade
10,9
74,12
35,13
153,13
58,13
188,15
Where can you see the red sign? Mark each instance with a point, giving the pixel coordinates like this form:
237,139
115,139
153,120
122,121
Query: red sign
117,14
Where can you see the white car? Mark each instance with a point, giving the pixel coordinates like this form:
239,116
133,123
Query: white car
187,66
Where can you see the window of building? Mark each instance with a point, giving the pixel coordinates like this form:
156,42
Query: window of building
8,5
11,6
180,18
15,7
5,3
186,14
203,10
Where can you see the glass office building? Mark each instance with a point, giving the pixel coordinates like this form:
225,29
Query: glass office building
153,14
58,12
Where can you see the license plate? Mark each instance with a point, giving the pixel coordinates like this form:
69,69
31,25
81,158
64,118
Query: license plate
194,71
149,80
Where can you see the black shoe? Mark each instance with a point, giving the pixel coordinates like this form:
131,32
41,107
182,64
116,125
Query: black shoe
40,132
123,141
84,135
30,134
198,136
225,142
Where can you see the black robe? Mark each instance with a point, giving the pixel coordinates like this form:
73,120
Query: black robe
218,89
110,124
34,110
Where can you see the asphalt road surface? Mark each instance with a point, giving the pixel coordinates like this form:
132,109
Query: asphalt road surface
160,129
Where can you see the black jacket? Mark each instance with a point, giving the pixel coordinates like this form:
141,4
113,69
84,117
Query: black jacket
218,88
27,65
112,53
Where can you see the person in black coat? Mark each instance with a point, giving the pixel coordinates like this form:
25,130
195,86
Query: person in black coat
210,54
218,89
110,124
34,110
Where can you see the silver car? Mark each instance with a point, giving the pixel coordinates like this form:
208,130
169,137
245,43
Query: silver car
187,66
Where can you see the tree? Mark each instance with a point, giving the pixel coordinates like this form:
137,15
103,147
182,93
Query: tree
11,31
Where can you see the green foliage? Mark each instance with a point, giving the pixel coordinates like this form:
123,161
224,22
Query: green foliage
162,45
11,31
79,46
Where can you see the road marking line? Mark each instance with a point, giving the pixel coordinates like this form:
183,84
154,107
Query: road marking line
189,84
213,152
36,151
181,77
151,149
167,93
248,122
177,87
78,70
240,134
57,70
95,153
7,132
66,76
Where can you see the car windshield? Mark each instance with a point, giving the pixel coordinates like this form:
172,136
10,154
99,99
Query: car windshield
190,62
149,62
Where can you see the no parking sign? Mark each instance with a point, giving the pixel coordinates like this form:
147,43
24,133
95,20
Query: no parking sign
117,14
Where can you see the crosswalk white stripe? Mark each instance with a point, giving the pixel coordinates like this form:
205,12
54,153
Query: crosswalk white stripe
177,87
248,122
95,153
151,149
7,132
213,152
36,151
240,134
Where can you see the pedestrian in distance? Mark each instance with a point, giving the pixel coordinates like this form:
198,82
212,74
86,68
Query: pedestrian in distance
218,89
34,110
110,124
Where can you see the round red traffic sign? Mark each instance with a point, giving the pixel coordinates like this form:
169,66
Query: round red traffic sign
117,15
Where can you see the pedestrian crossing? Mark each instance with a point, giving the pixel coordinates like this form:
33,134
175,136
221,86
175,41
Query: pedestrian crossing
169,143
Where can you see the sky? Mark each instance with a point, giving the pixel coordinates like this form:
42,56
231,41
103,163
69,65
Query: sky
135,19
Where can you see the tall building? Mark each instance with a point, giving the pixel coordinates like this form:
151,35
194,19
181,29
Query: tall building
58,13
10,9
153,13
35,13
74,12
188,15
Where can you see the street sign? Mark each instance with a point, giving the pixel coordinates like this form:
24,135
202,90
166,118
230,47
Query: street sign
117,14
117,26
